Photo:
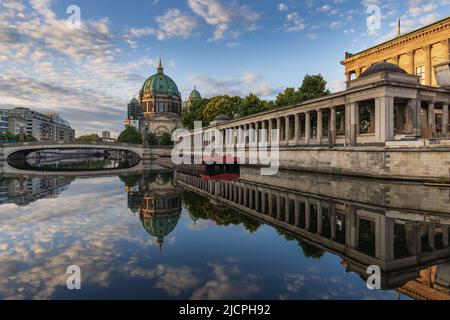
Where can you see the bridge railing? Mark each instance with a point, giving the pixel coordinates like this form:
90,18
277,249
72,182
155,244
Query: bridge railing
60,143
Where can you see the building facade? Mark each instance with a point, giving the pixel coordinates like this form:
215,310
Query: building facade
16,124
417,52
4,121
159,107
44,127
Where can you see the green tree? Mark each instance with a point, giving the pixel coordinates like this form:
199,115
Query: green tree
221,105
8,136
166,139
89,138
313,86
195,113
252,104
152,139
130,135
288,97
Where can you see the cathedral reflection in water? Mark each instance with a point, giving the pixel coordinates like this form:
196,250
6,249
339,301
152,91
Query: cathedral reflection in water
157,201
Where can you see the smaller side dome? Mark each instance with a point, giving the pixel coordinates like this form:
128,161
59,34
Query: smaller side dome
195,95
134,101
222,117
382,67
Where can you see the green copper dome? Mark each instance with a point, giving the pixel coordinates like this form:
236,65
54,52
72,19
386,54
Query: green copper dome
195,95
160,226
134,101
159,83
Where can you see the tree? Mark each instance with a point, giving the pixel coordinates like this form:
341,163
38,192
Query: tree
152,139
313,86
10,137
221,105
89,138
130,135
195,113
288,97
166,139
252,104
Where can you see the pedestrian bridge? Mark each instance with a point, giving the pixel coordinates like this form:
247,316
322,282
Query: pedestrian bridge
21,150
27,147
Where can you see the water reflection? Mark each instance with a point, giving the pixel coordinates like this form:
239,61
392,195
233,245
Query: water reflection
61,160
176,235
157,201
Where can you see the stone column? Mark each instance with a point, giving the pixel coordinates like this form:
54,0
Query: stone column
263,201
278,206
270,132
319,126
270,203
428,65
263,136
257,201
307,128
333,220
351,123
287,129
279,129
307,214
332,126
287,209
256,135
245,197
252,199
445,119
319,219
297,212
431,117
297,129
387,119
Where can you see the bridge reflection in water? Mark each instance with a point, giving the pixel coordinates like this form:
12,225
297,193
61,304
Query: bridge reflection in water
365,222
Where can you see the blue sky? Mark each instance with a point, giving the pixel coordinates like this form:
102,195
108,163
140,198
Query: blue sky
223,47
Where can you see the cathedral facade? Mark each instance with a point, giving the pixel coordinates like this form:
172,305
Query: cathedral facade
159,108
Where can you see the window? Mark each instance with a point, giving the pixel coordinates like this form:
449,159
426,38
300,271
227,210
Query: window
420,71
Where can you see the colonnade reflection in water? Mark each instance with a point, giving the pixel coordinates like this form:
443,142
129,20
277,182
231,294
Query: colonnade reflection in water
402,228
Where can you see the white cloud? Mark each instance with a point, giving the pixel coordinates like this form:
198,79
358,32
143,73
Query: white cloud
223,17
294,22
282,7
175,24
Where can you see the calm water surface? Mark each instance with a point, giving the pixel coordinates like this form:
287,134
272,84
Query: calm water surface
161,235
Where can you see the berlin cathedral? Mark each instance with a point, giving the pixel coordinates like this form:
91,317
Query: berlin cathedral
159,107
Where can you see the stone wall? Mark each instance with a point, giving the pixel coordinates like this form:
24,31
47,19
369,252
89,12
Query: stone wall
376,162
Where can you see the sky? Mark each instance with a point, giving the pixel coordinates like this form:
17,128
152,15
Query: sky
87,69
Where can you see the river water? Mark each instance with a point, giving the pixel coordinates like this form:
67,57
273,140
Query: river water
165,235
